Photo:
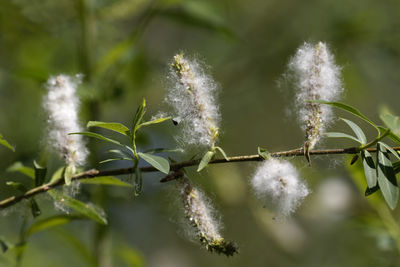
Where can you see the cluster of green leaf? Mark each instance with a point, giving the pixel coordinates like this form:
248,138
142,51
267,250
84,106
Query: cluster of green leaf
380,174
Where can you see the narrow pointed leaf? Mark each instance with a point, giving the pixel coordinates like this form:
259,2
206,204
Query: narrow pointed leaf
105,180
88,210
156,121
121,153
19,167
139,115
138,182
162,150
17,186
342,135
68,173
347,108
369,169
100,137
6,144
49,223
387,178
40,173
357,130
157,162
113,126
115,159
57,175
206,159
222,152
394,153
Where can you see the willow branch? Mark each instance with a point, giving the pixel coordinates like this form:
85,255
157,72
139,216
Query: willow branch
174,167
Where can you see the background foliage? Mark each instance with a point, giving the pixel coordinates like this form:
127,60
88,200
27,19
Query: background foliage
123,49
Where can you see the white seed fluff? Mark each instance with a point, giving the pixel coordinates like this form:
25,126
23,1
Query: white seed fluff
193,98
62,104
317,77
278,185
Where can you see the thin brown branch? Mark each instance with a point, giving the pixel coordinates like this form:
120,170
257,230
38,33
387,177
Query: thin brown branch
174,167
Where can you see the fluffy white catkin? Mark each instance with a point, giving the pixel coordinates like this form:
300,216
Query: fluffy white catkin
278,185
62,105
193,98
199,213
317,77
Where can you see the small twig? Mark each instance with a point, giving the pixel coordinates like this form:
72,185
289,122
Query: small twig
175,167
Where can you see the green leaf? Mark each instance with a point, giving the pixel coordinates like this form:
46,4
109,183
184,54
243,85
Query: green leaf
206,159
139,115
161,150
387,178
394,153
17,186
156,121
391,121
19,167
347,108
396,166
57,175
113,126
357,130
68,173
342,135
369,169
6,144
263,153
99,136
49,223
157,162
138,182
105,180
115,159
35,208
121,153
222,152
88,210
40,173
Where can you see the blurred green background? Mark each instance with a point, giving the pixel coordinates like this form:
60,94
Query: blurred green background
123,48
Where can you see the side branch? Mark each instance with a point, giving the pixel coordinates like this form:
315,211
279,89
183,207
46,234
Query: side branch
174,167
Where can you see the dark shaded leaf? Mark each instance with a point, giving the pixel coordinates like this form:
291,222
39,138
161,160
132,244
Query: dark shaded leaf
354,159
386,177
206,159
88,210
157,162
35,208
40,173
370,191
